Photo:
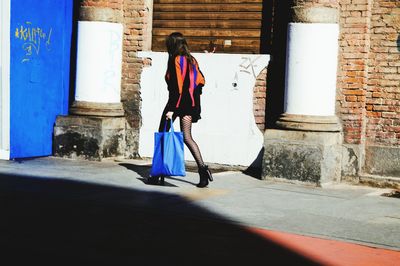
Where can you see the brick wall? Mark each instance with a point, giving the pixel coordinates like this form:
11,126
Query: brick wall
383,94
368,74
136,18
115,4
259,99
354,45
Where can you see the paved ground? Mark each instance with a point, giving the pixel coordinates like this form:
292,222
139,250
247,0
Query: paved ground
67,212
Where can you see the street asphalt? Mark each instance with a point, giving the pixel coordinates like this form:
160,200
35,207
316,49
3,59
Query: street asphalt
73,212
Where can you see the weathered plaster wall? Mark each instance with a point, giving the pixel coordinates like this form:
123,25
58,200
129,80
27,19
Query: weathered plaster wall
227,132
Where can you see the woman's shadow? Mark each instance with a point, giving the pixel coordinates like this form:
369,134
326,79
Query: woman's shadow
144,172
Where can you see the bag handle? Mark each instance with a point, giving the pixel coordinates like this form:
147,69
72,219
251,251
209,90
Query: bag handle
171,127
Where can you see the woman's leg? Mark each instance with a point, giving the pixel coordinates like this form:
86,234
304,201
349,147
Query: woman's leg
186,128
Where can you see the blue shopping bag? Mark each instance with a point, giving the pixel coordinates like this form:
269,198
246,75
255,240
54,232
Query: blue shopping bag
168,156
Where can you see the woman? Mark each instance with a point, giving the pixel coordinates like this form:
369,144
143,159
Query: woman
185,82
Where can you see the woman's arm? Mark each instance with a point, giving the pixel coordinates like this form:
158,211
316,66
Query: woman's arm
173,98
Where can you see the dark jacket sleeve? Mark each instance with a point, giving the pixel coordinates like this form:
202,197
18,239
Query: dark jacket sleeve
173,98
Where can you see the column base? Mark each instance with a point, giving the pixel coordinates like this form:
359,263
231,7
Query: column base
309,123
312,157
97,109
90,138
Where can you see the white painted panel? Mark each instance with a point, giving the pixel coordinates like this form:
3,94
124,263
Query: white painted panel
312,55
5,79
99,62
227,132
4,154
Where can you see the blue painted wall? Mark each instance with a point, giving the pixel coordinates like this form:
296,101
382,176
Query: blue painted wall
39,73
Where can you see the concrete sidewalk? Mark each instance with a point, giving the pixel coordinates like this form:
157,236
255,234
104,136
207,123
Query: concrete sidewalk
352,214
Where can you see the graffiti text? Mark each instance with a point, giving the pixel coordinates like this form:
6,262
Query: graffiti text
33,39
248,65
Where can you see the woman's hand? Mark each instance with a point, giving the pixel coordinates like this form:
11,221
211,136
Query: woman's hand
169,115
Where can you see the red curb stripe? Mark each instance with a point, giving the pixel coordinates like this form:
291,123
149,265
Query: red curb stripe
331,252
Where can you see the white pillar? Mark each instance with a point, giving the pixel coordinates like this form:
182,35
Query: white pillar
311,65
307,147
99,63
311,71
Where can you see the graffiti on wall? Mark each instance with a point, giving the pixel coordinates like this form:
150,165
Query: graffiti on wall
248,65
33,38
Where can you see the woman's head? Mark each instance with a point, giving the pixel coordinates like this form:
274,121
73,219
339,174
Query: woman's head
177,45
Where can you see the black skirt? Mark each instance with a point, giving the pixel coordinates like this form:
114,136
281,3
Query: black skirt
186,105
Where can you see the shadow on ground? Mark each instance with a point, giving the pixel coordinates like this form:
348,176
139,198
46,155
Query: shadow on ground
144,172
48,221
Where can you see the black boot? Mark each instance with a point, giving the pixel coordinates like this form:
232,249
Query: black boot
155,180
205,176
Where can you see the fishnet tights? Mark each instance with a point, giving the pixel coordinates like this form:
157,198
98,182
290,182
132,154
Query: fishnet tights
186,128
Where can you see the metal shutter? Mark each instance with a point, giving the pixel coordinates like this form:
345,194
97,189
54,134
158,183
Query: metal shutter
233,26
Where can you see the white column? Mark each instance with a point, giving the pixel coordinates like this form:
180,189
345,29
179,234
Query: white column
99,62
311,67
307,147
311,70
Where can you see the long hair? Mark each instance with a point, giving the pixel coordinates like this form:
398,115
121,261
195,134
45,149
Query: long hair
177,45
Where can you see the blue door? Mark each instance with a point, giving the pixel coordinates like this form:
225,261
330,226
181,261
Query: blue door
39,73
